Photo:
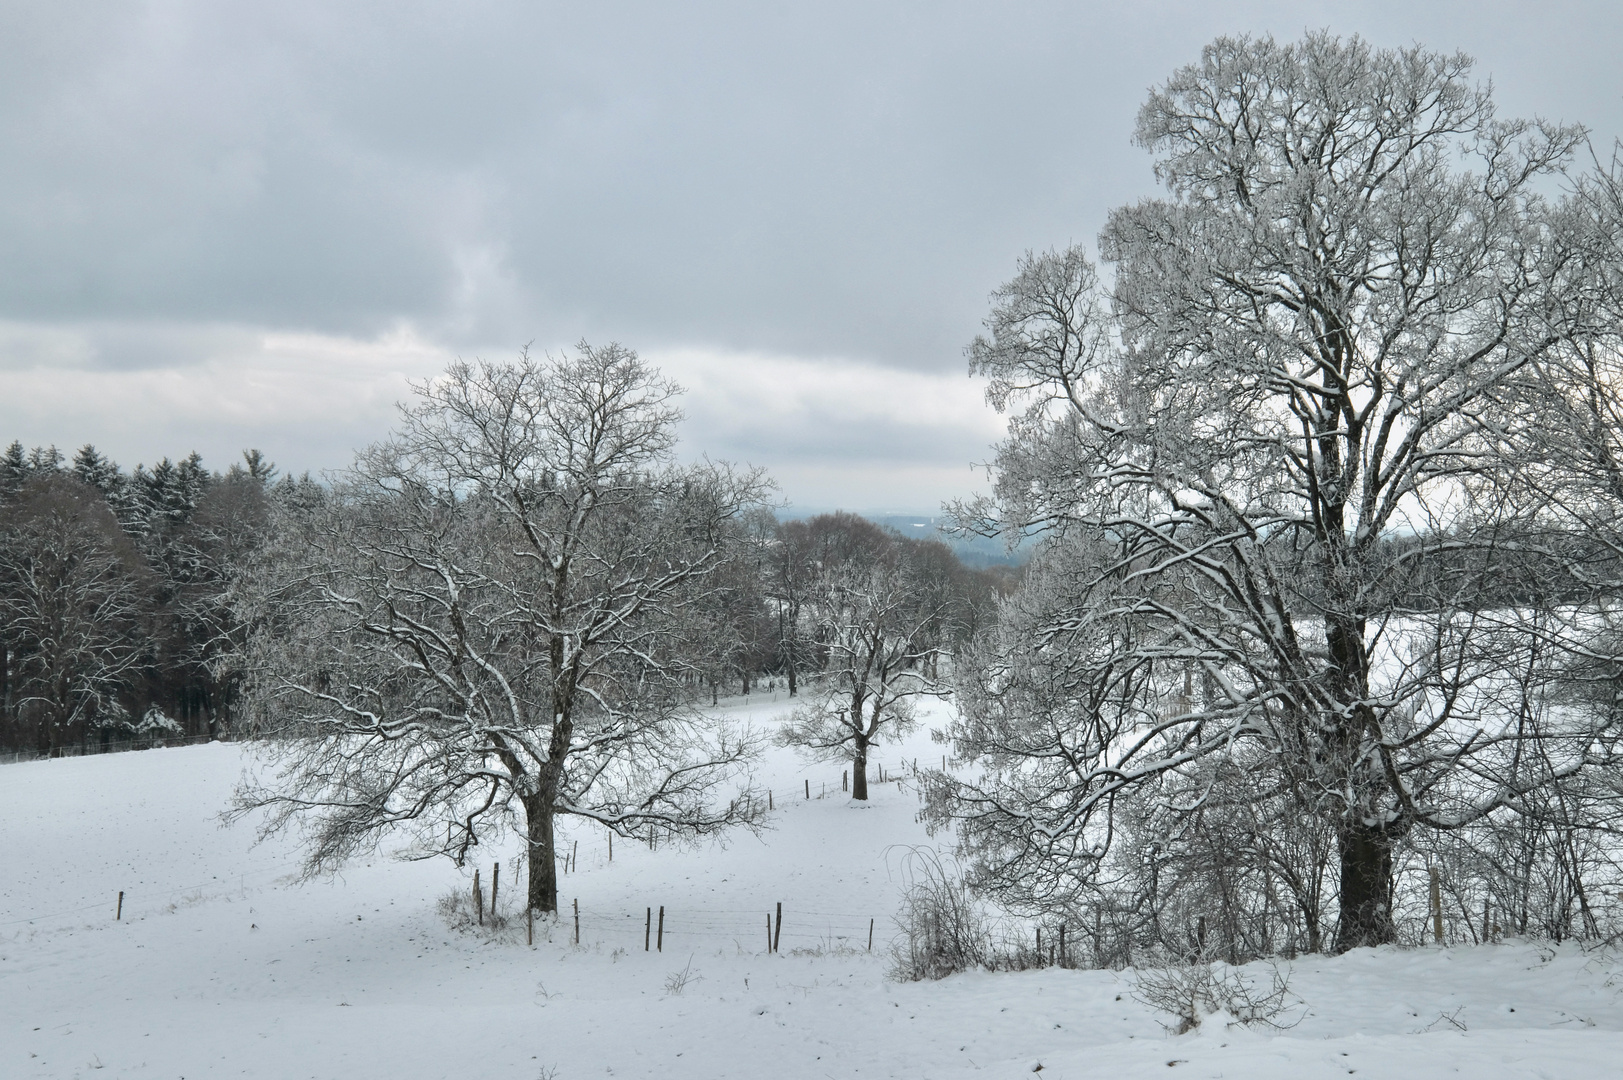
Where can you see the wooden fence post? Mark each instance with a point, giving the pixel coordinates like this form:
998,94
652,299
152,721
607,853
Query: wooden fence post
577,920
119,916
611,845
478,899
777,934
808,789
870,935
845,777
1062,945
574,858
529,925
647,928
495,884
659,944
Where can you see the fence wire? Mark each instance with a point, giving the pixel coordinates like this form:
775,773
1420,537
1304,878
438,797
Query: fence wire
752,931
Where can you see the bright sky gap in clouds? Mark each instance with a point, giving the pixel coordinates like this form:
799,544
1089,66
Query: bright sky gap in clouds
248,225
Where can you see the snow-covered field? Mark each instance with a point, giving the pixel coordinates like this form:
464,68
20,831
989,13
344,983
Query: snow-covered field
223,965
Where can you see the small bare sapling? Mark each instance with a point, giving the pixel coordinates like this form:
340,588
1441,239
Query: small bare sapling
1193,992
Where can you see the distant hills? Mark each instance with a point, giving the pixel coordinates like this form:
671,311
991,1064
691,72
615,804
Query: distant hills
973,551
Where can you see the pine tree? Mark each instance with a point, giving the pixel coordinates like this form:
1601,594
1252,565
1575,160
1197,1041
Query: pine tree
44,459
99,471
13,470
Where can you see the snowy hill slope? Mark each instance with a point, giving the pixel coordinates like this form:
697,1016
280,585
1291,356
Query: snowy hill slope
223,965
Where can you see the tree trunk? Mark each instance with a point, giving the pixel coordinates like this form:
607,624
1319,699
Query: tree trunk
859,769
1365,850
543,865
786,639
8,715
1366,888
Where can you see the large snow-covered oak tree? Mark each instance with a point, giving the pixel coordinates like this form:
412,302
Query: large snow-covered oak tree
1294,464
486,622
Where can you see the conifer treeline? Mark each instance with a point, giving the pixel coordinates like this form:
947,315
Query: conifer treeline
114,623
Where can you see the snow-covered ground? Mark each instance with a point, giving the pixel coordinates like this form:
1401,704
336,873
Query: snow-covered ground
223,965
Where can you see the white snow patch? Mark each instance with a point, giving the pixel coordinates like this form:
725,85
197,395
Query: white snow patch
223,964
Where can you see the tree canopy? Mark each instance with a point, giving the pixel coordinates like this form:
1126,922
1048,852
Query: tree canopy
1287,454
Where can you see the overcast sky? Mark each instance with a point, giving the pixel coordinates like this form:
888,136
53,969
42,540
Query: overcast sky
248,224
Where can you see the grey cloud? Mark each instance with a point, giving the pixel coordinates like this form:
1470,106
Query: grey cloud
844,179
828,179
119,345
829,438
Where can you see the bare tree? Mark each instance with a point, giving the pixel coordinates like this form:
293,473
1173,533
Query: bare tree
484,623
786,569
735,634
73,596
1292,464
880,617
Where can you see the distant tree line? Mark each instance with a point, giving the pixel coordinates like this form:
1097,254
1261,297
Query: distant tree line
124,620
115,624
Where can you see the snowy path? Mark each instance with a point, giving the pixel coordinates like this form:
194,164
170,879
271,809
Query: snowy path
223,966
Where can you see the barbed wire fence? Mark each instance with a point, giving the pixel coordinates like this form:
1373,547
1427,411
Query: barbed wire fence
139,903
773,928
